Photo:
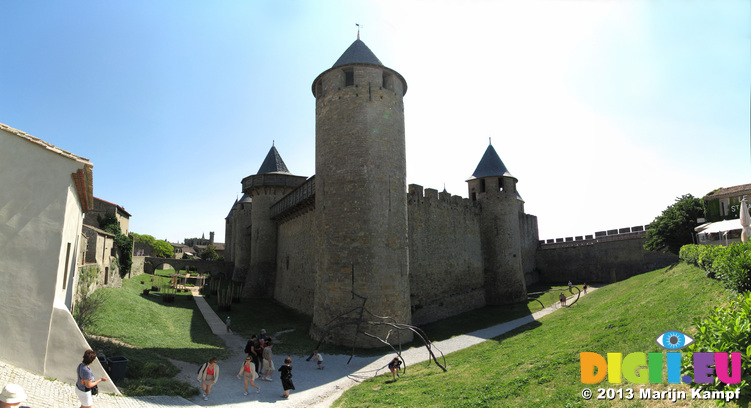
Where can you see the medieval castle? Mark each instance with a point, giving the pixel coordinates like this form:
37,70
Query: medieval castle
320,244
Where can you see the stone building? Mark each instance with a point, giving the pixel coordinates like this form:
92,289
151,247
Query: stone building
102,208
354,231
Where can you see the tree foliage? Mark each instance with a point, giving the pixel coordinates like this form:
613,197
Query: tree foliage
143,239
675,227
209,253
163,249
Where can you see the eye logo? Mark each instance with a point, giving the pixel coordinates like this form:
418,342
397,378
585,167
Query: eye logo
674,340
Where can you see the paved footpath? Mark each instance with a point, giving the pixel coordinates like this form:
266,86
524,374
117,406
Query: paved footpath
315,388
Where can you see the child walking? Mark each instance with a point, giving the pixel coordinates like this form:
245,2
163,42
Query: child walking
318,358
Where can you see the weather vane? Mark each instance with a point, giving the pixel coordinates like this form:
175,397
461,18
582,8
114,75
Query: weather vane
358,30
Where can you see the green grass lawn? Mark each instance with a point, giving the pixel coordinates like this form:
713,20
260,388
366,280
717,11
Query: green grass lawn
538,365
175,330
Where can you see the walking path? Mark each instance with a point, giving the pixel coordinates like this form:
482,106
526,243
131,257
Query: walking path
315,388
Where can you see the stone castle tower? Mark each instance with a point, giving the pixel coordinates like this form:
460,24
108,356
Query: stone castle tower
494,189
361,199
355,233
272,182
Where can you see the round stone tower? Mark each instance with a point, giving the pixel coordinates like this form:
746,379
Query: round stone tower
272,182
361,201
240,242
493,188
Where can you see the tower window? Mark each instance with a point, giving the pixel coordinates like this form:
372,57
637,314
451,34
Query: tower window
349,77
482,185
386,80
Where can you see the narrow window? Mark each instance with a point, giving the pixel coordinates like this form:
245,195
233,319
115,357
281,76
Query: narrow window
106,274
482,185
349,77
474,196
386,78
67,259
500,183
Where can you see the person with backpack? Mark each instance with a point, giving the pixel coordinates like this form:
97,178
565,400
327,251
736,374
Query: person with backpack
208,374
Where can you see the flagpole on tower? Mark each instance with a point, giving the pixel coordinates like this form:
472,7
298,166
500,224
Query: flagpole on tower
358,30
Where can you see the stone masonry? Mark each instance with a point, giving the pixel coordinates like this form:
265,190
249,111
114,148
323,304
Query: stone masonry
322,244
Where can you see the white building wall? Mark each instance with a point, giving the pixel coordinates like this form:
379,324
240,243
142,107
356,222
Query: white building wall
40,214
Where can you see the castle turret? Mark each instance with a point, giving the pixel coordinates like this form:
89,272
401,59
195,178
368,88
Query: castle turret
240,242
361,201
228,238
493,188
265,188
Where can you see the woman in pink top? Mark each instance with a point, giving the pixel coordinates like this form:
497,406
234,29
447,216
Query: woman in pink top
249,375
208,374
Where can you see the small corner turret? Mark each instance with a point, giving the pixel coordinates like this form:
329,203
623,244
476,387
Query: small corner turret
490,176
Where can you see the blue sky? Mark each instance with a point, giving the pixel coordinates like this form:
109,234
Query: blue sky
605,111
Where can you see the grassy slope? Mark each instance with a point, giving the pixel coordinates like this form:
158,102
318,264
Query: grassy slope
174,330
538,365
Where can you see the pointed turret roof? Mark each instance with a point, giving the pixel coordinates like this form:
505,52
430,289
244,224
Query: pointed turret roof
230,210
357,53
273,163
491,165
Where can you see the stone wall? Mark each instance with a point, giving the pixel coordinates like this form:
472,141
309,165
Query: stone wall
599,260
529,240
137,267
446,270
295,263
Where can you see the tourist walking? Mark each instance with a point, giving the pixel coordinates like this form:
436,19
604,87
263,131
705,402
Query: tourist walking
268,362
249,375
85,383
208,374
585,288
258,354
562,298
286,376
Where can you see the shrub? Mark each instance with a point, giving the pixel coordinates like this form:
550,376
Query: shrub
86,311
730,264
726,330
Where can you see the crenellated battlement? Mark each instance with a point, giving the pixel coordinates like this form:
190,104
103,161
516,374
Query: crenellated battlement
639,231
430,197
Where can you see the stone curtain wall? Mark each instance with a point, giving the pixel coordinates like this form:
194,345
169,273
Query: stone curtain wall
604,260
296,263
446,271
529,238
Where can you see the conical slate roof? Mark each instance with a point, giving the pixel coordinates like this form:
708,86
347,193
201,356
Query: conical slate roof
230,210
273,163
491,165
357,53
